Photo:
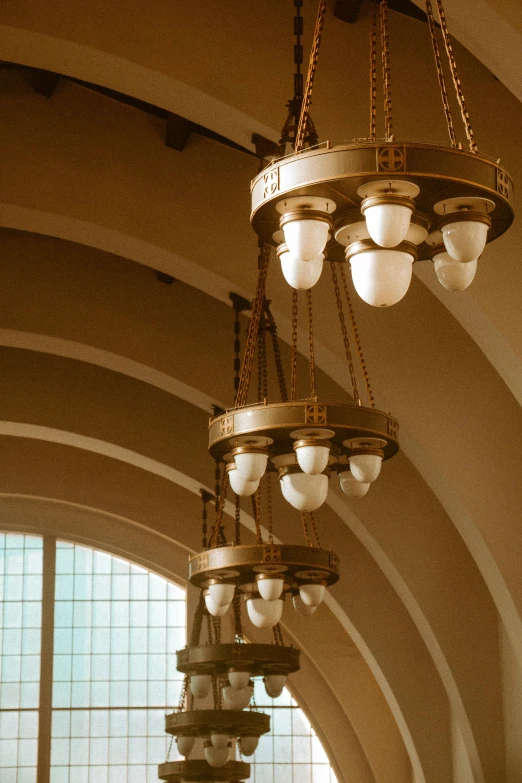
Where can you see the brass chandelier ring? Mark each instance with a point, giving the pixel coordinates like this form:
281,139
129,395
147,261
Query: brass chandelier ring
201,723
198,771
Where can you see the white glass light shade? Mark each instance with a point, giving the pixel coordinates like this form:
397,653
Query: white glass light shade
465,239
234,699
274,684
304,492
216,757
239,680
454,275
240,485
381,277
219,740
251,464
215,609
248,745
351,487
221,593
388,224
200,685
264,614
185,745
301,608
306,239
301,275
270,589
365,467
312,595
312,459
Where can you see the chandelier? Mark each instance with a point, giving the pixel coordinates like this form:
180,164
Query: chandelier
383,204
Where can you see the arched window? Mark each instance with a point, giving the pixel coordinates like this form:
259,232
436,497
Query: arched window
86,703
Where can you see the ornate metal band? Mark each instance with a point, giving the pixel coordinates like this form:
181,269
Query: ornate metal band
198,723
240,564
259,659
198,771
337,172
278,421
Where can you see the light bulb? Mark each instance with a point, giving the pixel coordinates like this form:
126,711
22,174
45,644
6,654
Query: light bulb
465,239
216,757
351,487
200,685
270,588
312,595
215,609
248,745
238,680
274,684
236,699
301,275
454,275
365,467
304,492
301,608
185,745
264,614
306,238
388,224
381,277
221,593
219,740
312,458
239,485
251,465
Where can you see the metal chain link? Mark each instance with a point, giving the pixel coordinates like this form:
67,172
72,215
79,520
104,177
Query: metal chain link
386,71
311,346
314,528
373,71
272,328
262,376
214,538
312,65
270,521
440,74
256,507
238,521
278,634
357,339
456,80
293,374
333,267
238,627
305,529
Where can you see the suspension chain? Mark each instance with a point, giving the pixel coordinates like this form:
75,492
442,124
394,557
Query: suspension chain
305,529
386,71
311,347
214,539
312,65
278,635
333,267
373,71
270,521
357,339
256,508
456,80
262,372
238,627
238,520
272,328
293,375
440,74
314,528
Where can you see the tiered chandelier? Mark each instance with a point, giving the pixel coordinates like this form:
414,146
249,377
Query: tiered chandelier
382,205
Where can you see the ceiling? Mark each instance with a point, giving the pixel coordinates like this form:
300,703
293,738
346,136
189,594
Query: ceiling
413,668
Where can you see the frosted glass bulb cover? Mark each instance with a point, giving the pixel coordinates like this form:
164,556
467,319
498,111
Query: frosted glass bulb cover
264,614
381,277
239,485
365,467
219,740
312,459
274,684
306,239
251,464
239,680
215,609
301,608
270,589
351,487
216,757
301,275
248,745
388,224
237,699
185,745
465,239
454,275
312,595
304,492
221,593
200,685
